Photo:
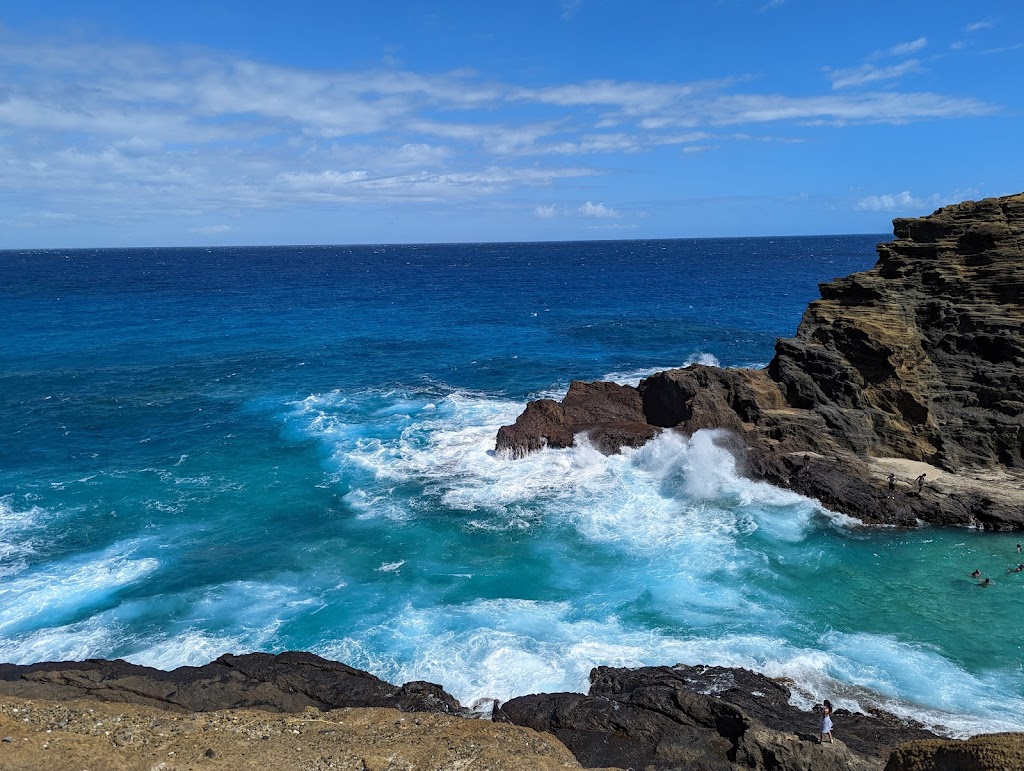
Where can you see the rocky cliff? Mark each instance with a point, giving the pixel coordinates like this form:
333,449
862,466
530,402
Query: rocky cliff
915,366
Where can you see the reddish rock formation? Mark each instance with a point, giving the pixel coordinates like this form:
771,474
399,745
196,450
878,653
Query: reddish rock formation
920,359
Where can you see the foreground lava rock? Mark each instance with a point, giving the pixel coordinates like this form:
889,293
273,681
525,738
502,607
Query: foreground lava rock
703,717
916,365
287,682
681,718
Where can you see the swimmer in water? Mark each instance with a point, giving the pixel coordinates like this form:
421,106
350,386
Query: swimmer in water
976,574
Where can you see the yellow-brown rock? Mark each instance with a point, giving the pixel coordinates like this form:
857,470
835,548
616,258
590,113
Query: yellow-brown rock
991,752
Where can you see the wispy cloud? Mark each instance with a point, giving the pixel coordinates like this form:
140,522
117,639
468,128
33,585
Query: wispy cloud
772,4
978,25
570,7
545,212
905,49
869,73
120,131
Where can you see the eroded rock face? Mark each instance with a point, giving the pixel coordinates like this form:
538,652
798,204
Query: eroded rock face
920,358
287,682
927,345
702,717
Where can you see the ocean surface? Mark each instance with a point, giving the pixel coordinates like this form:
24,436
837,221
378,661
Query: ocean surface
263,449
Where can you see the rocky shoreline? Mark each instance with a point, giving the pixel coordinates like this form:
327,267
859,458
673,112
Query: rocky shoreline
915,366
311,713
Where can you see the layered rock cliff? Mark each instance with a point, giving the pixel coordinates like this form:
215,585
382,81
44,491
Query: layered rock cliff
915,366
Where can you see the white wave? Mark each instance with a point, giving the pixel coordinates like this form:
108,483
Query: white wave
634,376
694,539
499,649
48,594
16,538
237,617
390,567
191,648
94,637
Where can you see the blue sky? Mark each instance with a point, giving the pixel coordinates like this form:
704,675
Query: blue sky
226,122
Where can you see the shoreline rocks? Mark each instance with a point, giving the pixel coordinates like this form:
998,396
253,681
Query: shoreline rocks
257,706
919,359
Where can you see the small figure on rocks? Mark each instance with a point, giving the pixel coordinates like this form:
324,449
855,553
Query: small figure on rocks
920,483
976,574
892,485
825,729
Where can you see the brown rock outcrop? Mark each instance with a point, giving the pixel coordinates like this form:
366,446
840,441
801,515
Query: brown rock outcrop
919,359
991,752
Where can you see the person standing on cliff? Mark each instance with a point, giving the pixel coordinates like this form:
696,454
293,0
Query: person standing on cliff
892,485
826,722
920,484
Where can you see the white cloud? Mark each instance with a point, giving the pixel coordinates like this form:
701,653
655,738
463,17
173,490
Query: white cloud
978,25
772,4
905,202
213,230
899,202
544,212
115,131
589,209
903,49
869,73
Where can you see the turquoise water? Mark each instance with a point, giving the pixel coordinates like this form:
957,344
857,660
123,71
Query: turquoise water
210,451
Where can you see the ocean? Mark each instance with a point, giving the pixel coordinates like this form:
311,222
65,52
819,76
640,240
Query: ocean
291,448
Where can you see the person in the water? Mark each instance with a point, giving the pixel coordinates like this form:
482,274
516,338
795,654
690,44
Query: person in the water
976,574
1018,569
986,582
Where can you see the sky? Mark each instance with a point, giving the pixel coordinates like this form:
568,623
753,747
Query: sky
242,123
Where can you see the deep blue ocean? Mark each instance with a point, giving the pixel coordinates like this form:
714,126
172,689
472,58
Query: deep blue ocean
263,449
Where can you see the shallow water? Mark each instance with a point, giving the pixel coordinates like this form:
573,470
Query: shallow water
292,448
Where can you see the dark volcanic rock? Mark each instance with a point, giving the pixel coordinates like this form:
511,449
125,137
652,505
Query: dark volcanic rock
920,358
992,752
287,682
702,717
611,414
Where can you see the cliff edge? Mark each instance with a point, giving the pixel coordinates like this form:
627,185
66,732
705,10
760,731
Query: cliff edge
915,366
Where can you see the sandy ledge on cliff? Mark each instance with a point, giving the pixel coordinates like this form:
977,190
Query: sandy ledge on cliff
998,483
101,736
